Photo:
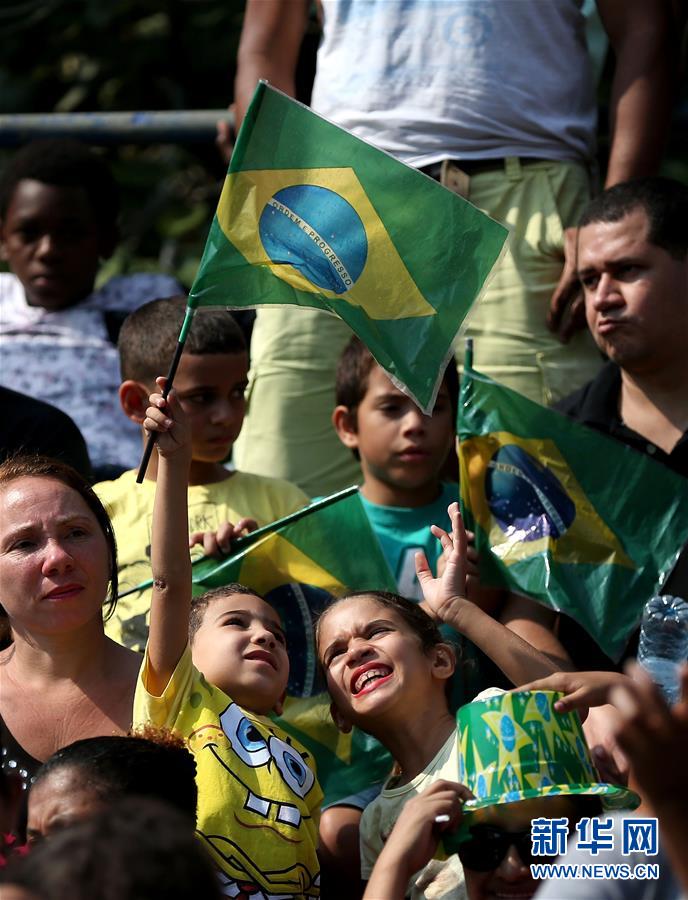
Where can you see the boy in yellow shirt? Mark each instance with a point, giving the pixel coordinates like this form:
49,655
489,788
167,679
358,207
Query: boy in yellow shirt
258,797
210,384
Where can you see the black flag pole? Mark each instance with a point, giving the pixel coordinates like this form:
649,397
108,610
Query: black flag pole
181,340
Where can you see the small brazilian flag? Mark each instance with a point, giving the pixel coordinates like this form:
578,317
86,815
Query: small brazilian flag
298,563
312,216
577,520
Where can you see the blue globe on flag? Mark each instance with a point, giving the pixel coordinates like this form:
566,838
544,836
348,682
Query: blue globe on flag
316,231
526,497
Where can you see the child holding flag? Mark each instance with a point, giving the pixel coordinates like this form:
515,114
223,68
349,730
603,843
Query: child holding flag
210,384
259,799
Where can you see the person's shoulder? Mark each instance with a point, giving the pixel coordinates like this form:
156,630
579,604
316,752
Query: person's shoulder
373,812
8,282
572,404
590,400
489,694
11,290
277,488
128,292
32,425
118,488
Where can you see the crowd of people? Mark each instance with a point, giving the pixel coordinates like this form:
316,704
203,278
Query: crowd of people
141,752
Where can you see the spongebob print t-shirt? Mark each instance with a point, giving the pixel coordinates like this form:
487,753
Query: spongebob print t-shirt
258,796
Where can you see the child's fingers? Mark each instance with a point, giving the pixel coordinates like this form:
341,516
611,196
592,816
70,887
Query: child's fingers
459,532
472,555
157,420
244,525
224,536
444,538
578,700
175,405
196,537
423,572
607,766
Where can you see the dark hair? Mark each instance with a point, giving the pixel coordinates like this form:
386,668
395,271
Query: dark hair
199,605
28,466
134,849
150,763
664,202
353,371
413,615
64,163
148,337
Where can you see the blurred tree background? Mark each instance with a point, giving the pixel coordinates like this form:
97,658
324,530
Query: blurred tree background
123,55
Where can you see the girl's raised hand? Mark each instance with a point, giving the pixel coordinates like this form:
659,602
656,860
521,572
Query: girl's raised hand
444,594
167,419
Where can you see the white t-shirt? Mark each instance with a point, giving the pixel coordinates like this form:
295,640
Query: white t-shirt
472,79
67,358
440,879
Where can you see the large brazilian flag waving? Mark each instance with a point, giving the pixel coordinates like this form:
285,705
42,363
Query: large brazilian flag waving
312,216
298,564
577,520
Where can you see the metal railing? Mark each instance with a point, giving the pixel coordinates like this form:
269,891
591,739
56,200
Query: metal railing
184,127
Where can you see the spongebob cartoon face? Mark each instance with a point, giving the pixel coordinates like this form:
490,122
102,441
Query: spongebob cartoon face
258,826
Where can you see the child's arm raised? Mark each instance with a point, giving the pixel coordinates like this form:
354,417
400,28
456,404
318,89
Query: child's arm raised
445,599
170,560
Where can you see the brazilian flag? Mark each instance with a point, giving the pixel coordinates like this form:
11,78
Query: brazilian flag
298,564
312,216
577,520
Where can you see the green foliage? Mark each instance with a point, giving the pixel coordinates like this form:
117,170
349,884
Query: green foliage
74,55
90,55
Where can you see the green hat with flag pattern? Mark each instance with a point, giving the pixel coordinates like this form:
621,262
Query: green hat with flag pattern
514,746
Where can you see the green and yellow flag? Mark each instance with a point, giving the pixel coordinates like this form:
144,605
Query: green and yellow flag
577,520
312,216
298,563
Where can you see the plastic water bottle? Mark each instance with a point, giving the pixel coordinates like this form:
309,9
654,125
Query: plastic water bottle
663,646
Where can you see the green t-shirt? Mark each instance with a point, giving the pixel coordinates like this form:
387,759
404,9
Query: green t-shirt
403,531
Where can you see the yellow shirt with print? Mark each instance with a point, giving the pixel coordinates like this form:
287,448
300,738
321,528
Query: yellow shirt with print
130,507
258,795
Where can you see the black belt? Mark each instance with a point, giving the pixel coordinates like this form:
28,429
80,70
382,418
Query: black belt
476,166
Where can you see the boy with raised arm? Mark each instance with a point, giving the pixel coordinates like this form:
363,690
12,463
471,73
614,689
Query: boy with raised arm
210,384
259,799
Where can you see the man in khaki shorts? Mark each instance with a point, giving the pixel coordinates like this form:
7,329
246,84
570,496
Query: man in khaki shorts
497,101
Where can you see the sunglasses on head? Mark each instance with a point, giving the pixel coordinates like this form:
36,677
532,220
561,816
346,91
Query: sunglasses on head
487,846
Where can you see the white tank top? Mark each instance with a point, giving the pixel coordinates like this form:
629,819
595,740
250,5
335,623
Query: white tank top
473,79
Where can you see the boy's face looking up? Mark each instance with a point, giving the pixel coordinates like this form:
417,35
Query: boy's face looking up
52,242
211,390
402,451
240,647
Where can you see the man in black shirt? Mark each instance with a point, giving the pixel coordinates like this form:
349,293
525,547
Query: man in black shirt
633,266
